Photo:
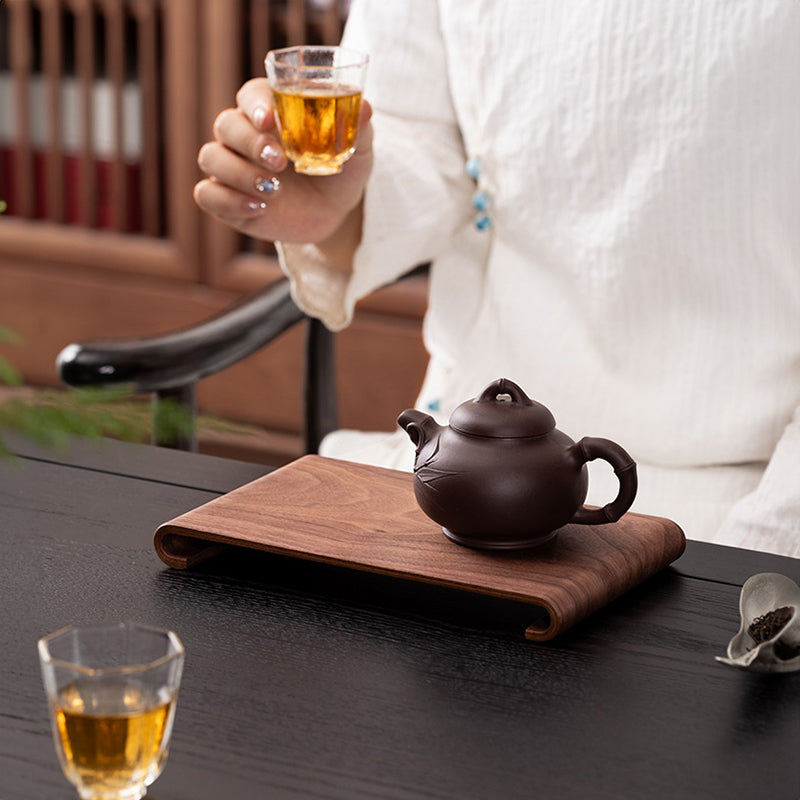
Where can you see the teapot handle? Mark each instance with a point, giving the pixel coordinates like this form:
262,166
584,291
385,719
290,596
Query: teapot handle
590,448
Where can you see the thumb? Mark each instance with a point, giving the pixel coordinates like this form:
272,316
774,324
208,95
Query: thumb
365,128
365,114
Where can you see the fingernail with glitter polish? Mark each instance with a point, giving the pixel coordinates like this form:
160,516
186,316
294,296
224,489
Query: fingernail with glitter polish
259,115
267,185
255,205
272,157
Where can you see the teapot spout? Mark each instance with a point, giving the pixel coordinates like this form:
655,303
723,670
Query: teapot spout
420,427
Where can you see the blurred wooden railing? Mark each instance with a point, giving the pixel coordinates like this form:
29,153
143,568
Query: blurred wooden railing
83,92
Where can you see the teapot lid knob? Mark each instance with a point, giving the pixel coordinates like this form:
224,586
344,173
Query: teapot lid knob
502,411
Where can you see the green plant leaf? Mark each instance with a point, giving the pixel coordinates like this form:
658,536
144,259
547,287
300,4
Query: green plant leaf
8,336
9,374
51,417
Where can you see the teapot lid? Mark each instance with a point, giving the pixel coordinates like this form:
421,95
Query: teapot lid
502,411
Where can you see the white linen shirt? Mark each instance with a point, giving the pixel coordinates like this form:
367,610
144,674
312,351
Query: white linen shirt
642,274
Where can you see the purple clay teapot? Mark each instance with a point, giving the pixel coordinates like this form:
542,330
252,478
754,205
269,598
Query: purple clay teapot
501,476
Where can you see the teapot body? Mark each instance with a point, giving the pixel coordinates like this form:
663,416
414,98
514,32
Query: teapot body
500,493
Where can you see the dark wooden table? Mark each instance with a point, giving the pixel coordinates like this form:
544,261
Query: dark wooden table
308,681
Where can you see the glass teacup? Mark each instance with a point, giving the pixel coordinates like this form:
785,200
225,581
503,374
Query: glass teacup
112,692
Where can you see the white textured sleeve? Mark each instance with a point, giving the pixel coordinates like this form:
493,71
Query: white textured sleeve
769,517
418,193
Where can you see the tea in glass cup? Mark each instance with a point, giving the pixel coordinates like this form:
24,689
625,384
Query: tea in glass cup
112,693
317,95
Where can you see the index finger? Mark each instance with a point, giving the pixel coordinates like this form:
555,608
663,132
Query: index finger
254,99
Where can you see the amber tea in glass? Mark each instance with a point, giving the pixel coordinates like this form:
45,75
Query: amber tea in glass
112,693
317,93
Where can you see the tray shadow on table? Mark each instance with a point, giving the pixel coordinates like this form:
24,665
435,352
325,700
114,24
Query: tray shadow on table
305,586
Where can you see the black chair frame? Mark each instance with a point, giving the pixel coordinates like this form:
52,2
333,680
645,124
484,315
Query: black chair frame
170,366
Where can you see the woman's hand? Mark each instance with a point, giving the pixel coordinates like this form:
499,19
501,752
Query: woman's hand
252,187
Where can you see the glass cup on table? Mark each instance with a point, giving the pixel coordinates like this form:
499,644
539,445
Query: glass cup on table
317,96
112,692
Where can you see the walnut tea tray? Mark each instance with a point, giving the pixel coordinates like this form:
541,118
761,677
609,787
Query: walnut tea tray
367,518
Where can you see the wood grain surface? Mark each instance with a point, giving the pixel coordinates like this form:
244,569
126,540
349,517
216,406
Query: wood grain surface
367,518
